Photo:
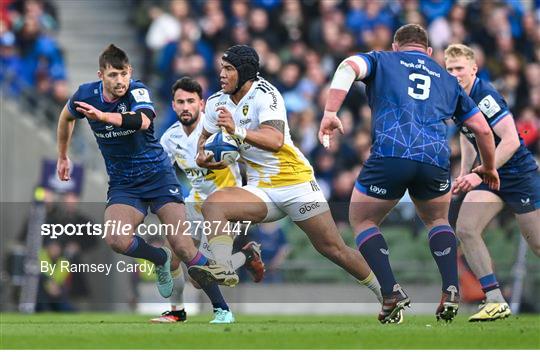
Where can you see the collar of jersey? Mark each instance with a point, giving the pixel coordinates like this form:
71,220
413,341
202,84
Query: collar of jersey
253,86
476,79
416,52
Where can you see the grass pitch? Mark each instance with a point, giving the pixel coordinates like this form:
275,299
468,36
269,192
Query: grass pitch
127,331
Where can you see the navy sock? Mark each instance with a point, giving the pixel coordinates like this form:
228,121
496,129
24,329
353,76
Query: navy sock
489,283
443,245
374,249
140,249
212,290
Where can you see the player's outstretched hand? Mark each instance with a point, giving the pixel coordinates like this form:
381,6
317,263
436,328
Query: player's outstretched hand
489,176
329,123
89,111
225,119
63,168
466,183
205,160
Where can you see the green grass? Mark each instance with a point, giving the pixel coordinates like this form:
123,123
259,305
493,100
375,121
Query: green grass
125,331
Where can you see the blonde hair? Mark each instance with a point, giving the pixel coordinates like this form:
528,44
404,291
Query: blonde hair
457,50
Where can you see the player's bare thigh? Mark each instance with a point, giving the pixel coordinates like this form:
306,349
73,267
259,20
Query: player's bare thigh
433,212
124,217
366,211
234,204
477,210
529,224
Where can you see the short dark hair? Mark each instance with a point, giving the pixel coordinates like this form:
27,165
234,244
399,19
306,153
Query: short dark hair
411,34
189,85
113,56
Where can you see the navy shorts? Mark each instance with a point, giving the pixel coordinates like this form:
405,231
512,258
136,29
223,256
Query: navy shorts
389,178
154,192
520,191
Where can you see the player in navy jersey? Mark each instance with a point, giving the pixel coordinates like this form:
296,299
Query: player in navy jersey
120,112
520,182
411,97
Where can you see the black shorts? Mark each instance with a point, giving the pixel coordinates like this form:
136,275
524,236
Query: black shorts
388,178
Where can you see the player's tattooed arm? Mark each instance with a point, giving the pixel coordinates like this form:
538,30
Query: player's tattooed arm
277,124
269,136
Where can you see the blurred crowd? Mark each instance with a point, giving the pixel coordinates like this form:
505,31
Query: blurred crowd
32,61
300,44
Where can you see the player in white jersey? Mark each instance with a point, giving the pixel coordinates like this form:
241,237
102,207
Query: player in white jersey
180,144
280,179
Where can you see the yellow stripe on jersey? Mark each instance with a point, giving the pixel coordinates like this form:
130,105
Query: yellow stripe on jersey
198,202
222,178
292,169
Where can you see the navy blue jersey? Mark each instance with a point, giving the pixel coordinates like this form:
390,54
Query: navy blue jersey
131,156
411,96
494,109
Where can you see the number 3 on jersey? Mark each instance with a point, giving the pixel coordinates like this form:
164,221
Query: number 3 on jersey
421,89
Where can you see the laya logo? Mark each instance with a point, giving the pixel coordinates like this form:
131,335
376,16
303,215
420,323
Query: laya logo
377,190
309,207
444,186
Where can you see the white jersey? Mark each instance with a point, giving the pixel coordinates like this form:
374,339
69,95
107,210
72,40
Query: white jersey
182,150
264,169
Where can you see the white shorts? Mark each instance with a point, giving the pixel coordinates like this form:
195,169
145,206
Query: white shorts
195,219
300,202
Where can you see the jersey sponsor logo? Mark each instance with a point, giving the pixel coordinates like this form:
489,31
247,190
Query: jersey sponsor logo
245,122
196,172
174,190
141,95
384,251
489,106
220,103
273,106
122,108
308,207
245,110
377,190
109,127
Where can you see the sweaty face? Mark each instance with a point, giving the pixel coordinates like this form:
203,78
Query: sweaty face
463,69
228,77
187,106
115,81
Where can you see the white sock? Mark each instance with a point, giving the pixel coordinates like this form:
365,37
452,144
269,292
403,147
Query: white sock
221,247
177,297
238,259
372,283
495,296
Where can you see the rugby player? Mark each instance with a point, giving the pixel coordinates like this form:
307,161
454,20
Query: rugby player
180,144
280,179
120,112
410,97
520,182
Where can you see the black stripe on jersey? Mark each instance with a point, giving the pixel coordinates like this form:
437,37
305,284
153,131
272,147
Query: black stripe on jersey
265,90
266,85
215,95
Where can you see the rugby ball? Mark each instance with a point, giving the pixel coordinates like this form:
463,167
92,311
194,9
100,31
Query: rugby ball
222,146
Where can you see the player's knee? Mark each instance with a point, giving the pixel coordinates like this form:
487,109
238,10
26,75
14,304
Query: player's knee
214,206
330,250
464,232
